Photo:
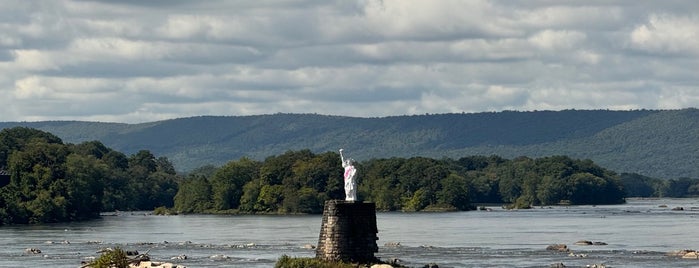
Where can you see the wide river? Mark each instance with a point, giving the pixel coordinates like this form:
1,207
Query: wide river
639,233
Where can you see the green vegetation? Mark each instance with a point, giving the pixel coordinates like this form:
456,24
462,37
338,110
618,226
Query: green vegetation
300,181
641,186
656,143
115,258
52,182
289,262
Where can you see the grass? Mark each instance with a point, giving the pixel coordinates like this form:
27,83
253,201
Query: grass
289,262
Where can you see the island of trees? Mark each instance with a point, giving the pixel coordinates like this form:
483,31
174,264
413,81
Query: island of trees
50,181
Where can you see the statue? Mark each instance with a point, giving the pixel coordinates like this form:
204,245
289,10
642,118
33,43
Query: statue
350,178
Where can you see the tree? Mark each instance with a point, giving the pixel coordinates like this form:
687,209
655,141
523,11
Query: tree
86,186
637,185
228,181
454,192
270,198
15,139
194,195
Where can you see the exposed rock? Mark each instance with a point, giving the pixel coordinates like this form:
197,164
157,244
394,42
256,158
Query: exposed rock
431,265
308,246
32,251
577,255
680,253
558,247
179,257
691,255
145,264
590,243
395,262
557,265
392,244
599,265
678,208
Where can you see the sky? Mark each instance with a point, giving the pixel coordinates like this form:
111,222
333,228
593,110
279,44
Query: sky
138,61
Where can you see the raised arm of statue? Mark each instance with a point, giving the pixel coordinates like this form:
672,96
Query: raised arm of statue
342,158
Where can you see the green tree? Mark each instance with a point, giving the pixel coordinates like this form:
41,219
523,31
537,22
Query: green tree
15,139
86,186
637,185
455,192
270,198
194,195
251,193
228,181
418,201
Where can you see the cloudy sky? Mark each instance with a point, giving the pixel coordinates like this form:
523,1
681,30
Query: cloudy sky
137,61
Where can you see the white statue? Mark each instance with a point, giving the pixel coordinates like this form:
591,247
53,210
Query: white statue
350,178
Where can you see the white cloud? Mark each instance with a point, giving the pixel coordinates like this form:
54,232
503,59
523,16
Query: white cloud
140,61
557,40
31,87
667,34
33,60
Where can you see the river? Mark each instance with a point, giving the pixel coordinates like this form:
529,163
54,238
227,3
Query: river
638,234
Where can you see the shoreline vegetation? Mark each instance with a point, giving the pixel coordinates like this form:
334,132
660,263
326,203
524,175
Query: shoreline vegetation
45,180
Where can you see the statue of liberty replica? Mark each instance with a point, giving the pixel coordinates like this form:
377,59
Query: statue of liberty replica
350,178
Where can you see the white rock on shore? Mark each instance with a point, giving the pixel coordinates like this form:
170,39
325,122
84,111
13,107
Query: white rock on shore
145,264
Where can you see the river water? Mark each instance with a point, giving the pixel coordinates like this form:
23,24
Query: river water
639,233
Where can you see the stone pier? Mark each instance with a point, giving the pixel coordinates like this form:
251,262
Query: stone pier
348,232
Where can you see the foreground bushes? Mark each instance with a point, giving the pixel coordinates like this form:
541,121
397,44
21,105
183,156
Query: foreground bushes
289,262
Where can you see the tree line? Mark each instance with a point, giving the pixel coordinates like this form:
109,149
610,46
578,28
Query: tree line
300,181
637,185
51,181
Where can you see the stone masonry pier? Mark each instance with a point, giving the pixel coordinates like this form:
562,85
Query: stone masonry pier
348,232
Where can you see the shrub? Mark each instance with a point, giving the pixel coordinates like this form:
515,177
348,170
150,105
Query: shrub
289,262
115,258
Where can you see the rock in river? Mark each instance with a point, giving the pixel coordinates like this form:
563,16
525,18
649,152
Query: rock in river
558,247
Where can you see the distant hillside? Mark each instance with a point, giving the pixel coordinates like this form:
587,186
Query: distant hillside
650,142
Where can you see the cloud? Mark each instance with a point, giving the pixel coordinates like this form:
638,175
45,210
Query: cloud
665,34
135,61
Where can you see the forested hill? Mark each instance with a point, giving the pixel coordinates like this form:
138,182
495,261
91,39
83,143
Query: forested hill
655,143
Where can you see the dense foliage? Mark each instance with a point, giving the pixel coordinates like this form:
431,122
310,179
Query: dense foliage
300,181
650,142
51,181
642,186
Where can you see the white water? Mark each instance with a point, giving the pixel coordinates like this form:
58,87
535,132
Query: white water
638,234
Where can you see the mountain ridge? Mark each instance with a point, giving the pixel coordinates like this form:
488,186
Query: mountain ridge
658,143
